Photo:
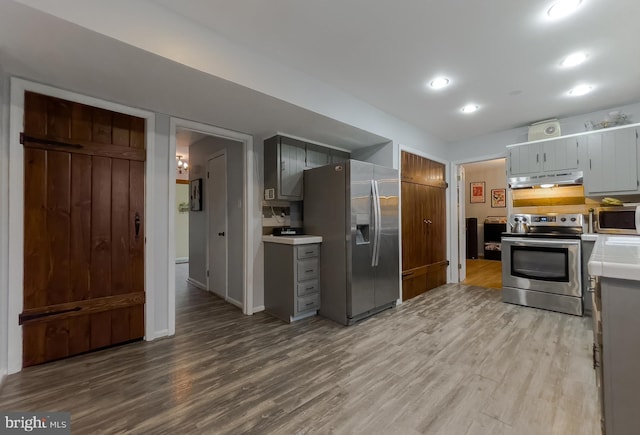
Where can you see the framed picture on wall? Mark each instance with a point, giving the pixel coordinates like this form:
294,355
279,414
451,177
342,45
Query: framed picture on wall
476,191
498,198
195,194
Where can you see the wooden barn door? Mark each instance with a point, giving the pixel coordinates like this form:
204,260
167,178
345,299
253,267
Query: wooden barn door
83,228
424,225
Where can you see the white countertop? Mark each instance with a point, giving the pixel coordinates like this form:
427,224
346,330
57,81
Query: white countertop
590,237
292,240
616,256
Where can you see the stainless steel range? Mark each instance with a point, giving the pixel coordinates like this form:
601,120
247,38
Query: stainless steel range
541,264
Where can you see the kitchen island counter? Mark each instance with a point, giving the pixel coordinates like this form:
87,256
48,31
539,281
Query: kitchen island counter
616,256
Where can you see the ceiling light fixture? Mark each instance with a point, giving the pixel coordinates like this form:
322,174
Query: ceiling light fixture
470,108
573,59
563,8
580,90
439,82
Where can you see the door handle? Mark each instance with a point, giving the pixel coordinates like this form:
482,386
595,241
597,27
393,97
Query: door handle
137,225
221,234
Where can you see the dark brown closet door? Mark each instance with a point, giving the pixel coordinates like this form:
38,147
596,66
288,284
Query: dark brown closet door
424,226
83,228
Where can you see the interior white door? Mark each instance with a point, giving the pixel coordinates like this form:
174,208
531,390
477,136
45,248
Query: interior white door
217,228
462,226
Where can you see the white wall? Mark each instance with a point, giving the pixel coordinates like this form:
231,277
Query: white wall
181,224
4,221
199,153
120,20
492,172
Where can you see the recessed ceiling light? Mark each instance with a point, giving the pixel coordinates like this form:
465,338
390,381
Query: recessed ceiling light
439,82
580,90
573,59
470,108
563,8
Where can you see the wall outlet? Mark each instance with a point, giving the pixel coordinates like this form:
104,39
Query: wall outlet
269,194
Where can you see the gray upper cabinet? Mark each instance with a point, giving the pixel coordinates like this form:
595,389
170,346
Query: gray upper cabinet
612,162
317,156
541,157
285,160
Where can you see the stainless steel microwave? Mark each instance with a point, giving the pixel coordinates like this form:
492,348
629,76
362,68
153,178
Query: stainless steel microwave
618,220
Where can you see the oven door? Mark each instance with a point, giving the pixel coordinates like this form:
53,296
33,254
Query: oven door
545,265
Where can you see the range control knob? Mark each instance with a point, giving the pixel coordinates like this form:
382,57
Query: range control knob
563,219
573,219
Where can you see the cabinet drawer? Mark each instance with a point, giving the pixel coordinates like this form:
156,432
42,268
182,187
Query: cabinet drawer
308,287
307,270
306,303
308,251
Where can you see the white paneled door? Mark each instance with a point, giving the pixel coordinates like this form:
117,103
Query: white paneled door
217,218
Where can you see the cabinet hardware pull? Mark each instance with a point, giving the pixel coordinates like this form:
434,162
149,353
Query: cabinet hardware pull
136,223
310,270
309,303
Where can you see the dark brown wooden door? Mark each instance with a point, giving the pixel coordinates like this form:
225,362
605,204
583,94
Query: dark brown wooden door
424,226
83,228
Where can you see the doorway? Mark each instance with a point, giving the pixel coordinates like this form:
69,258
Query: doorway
217,228
482,211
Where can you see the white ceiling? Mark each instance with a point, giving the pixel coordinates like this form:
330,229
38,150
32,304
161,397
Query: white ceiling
500,54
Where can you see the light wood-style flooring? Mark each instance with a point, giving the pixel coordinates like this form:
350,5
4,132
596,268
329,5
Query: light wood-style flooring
484,273
455,360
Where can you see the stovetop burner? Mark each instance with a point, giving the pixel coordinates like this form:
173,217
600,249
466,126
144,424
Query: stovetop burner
547,225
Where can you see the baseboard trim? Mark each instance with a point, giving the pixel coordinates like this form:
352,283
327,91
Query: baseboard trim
235,302
196,283
182,260
157,334
258,309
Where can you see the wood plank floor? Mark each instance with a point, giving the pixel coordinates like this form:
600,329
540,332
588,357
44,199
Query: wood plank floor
455,360
484,273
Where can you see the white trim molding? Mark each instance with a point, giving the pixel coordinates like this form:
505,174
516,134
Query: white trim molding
16,211
197,283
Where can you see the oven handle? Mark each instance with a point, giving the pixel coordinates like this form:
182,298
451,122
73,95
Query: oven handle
545,242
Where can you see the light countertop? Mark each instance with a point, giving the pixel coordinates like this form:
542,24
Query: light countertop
616,256
292,240
589,237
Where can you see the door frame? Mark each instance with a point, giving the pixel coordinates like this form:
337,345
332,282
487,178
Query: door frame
15,272
447,168
249,205
458,243
218,154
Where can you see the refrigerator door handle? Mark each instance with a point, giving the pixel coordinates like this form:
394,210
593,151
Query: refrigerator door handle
378,220
374,221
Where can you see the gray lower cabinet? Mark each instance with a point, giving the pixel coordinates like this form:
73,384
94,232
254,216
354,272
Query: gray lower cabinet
291,280
620,349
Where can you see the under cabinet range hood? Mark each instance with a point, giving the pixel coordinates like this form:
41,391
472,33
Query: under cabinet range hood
546,180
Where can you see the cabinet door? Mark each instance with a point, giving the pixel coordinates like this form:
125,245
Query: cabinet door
525,159
292,157
316,156
613,165
560,154
339,156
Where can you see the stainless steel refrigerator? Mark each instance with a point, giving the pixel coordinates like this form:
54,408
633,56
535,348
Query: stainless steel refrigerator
353,205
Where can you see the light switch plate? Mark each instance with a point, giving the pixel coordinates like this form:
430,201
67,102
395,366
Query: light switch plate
269,194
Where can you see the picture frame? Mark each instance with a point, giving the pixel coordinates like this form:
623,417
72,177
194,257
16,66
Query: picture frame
476,192
195,194
498,198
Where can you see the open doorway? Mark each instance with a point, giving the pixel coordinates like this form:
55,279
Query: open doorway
482,219
209,230
229,196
